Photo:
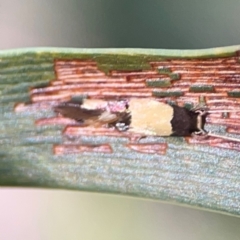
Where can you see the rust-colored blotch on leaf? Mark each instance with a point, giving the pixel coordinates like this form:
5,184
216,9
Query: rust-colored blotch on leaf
179,81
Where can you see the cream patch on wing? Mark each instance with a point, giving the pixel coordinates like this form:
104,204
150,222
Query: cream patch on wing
93,104
150,117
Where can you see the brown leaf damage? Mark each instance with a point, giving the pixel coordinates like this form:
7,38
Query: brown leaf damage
178,81
73,148
159,148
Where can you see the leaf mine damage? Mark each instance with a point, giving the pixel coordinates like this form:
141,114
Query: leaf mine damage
175,81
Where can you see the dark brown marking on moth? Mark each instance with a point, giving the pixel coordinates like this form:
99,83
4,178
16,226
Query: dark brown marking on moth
185,122
77,113
153,148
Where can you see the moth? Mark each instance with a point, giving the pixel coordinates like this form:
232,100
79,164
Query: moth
144,116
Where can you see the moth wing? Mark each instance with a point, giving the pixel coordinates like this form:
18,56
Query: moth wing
108,117
77,113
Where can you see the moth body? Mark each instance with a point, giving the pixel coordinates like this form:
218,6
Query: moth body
138,115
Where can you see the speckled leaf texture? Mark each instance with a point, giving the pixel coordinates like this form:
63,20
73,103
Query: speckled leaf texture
38,148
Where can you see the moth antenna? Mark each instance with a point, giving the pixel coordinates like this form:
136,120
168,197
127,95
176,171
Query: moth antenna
223,137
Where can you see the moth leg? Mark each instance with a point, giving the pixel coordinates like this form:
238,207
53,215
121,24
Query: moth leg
121,127
201,109
140,138
200,135
201,105
123,121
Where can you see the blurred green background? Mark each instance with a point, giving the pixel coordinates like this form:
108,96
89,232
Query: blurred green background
187,24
